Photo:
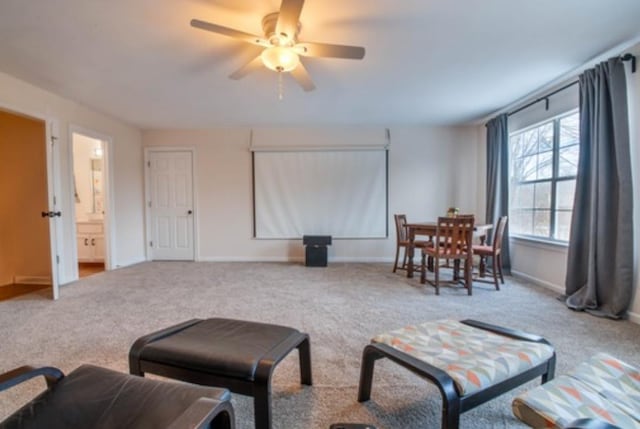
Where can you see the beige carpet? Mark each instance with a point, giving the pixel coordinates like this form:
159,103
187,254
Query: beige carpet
342,306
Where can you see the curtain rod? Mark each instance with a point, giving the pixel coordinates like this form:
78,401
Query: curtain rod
625,57
632,58
545,99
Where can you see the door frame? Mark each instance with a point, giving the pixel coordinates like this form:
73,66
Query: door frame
147,196
52,144
109,215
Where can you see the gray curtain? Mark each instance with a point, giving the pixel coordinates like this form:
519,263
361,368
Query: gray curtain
498,179
600,259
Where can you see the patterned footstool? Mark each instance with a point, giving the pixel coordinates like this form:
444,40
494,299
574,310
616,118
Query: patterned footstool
469,361
603,388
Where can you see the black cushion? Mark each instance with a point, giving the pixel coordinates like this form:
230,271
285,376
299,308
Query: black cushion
94,397
231,348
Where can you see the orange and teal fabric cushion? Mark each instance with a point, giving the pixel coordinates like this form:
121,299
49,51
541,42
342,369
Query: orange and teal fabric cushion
613,379
473,358
603,388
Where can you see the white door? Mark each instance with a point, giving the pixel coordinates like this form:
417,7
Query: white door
171,205
53,189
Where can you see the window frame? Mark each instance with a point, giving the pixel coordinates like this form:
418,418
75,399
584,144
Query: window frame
553,180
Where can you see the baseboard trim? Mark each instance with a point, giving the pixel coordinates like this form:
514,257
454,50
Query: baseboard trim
129,263
632,317
32,280
366,260
545,284
69,279
13,290
249,259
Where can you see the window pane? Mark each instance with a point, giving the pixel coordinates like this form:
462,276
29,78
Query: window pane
565,191
568,165
546,137
524,168
543,195
515,142
541,223
545,165
569,130
529,168
522,197
530,142
563,225
521,222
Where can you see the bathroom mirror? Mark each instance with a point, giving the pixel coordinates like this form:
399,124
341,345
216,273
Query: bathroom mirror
97,202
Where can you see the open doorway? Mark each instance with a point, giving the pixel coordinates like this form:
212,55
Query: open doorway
89,183
25,235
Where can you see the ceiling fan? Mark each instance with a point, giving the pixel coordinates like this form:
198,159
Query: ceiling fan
282,50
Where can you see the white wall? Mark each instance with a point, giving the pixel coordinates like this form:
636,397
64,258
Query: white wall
126,156
469,174
422,184
541,263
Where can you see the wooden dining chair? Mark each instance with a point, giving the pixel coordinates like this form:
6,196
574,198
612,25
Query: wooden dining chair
493,251
402,241
453,241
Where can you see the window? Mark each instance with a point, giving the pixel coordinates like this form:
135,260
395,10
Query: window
544,164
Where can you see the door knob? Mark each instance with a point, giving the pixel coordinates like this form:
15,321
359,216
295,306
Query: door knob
190,212
51,214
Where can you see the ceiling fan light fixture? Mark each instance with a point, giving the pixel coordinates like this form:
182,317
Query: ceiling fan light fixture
280,58
281,48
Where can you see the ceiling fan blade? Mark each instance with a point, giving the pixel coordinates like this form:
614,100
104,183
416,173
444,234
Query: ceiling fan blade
249,67
301,75
288,18
311,49
230,32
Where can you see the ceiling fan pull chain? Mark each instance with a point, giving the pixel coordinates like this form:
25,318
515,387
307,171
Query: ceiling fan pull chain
280,87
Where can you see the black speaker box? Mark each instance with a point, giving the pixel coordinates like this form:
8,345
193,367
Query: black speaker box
316,240
315,254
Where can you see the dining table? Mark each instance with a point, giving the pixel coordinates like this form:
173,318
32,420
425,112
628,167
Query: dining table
429,229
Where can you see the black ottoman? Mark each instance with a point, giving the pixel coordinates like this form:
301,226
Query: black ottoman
235,354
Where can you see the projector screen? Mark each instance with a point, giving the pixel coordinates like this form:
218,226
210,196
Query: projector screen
342,193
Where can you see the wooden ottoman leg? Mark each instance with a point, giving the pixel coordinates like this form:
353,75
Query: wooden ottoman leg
551,370
304,354
450,414
262,405
369,357
264,370
451,406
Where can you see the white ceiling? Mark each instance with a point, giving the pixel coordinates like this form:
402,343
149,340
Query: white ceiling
427,61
